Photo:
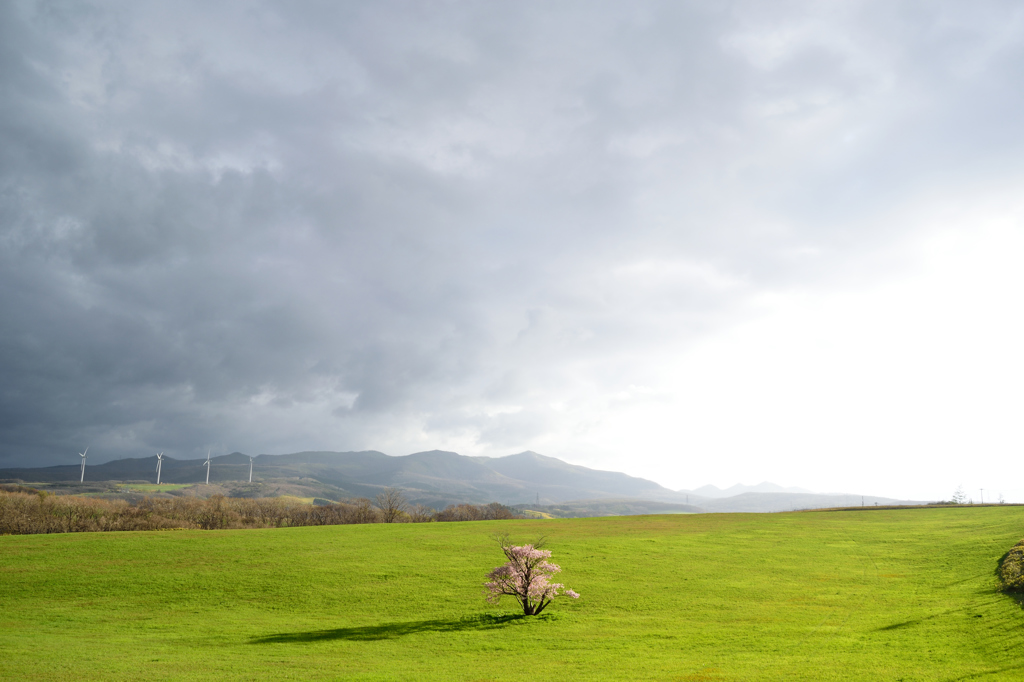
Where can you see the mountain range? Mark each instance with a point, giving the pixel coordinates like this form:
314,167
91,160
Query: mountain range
437,478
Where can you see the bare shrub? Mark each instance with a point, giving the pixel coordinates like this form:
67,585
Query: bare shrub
361,511
497,512
392,505
421,514
460,512
472,512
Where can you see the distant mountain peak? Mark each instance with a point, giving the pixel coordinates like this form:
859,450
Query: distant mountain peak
527,454
713,491
434,453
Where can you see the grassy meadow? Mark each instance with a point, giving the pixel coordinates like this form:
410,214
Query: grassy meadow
153,487
872,595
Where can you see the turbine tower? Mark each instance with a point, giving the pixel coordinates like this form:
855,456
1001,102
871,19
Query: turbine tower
250,470
207,465
159,461
82,455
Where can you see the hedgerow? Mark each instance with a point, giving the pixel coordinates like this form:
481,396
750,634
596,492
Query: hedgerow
28,512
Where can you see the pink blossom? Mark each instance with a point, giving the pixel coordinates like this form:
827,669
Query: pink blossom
526,577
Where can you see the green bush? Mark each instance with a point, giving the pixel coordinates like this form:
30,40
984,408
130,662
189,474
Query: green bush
1011,570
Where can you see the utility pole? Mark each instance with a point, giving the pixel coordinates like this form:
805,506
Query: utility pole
982,495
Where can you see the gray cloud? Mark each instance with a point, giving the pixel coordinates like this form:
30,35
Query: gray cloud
271,227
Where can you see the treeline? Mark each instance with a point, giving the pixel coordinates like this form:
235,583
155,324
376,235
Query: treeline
24,511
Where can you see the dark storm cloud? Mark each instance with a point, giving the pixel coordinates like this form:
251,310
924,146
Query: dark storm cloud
269,227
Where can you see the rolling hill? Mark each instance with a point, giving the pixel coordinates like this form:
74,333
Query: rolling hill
437,478
433,477
880,595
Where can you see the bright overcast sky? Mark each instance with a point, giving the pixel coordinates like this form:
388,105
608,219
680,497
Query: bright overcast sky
699,242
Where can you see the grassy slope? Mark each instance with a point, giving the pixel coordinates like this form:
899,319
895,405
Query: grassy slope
154,488
877,595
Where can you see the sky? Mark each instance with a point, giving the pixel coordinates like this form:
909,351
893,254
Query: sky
697,242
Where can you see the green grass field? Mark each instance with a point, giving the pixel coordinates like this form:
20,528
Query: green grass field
154,488
874,595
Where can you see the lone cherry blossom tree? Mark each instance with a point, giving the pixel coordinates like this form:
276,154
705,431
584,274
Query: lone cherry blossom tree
526,576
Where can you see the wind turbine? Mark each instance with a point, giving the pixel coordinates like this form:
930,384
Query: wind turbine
82,455
159,461
207,465
250,470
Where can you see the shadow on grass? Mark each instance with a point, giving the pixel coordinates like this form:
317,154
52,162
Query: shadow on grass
962,609
909,623
369,633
